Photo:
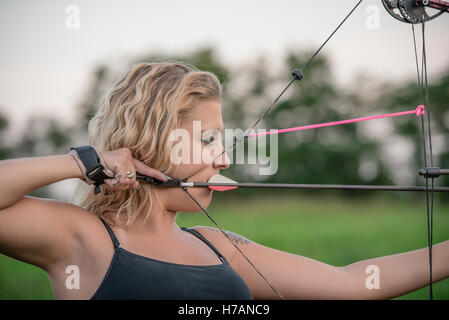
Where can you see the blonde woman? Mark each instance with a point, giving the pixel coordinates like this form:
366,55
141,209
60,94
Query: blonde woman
123,239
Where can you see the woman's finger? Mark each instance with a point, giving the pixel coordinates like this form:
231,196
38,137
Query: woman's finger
114,183
146,170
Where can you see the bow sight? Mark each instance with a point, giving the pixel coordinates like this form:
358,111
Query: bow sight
415,11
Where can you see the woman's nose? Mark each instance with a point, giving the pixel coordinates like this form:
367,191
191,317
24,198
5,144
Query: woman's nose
222,161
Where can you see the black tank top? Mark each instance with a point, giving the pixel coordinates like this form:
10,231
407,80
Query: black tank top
132,276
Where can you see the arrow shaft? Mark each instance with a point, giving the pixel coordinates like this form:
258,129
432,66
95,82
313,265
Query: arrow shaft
311,186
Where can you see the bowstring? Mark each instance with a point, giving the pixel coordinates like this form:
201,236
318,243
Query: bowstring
238,249
423,87
430,219
266,110
259,119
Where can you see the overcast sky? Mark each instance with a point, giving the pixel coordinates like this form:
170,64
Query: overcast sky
46,67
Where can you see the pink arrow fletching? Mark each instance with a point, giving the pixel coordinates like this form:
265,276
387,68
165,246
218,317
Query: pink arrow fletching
221,188
221,179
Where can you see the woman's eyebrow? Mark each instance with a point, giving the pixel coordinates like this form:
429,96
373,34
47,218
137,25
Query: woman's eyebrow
215,130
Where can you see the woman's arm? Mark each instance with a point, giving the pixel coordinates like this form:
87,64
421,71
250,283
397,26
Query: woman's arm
44,231
398,274
37,231
298,277
21,176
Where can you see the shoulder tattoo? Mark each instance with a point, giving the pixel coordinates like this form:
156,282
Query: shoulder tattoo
237,239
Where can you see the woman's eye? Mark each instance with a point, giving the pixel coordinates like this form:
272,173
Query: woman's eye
208,140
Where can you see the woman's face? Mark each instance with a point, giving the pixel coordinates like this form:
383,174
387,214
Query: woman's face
199,145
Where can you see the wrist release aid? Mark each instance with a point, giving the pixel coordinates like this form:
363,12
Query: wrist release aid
92,166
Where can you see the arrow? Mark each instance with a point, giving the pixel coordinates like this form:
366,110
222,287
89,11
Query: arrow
222,183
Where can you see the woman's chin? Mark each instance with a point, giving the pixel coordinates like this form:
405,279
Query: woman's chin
204,200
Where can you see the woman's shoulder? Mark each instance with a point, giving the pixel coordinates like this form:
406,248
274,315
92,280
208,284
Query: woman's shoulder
221,239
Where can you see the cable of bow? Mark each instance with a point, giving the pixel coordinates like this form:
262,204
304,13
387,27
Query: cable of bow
297,75
430,188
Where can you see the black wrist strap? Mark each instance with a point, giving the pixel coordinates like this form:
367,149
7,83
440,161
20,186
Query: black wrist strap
92,163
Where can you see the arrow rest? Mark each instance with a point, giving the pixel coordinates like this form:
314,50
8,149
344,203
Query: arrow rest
415,11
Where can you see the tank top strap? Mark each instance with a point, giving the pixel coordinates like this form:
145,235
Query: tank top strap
111,234
199,235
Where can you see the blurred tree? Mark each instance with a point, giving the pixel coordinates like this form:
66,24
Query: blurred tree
407,94
5,151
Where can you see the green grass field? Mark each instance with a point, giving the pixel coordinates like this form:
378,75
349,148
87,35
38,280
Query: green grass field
331,230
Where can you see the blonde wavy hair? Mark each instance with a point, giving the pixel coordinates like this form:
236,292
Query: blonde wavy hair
139,113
